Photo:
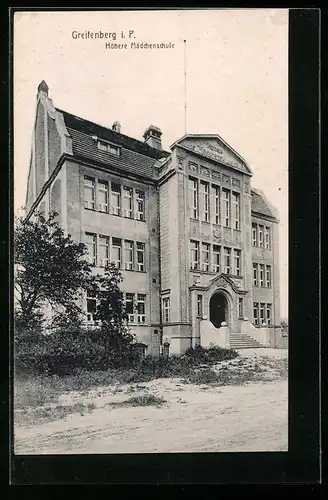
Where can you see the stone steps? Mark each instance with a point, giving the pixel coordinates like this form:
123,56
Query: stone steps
243,341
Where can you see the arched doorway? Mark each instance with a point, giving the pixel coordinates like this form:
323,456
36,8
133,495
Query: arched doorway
218,309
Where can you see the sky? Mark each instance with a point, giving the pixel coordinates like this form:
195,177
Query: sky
236,84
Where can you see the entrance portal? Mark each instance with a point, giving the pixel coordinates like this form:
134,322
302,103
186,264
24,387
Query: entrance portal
218,309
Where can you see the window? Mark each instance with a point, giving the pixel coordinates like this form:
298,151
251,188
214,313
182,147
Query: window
102,196
268,276
166,309
226,207
128,255
116,199
261,275
127,202
200,306
108,148
215,208
193,194
240,307
255,274
89,193
227,257
91,307
236,255
129,306
216,258
140,201
261,236
103,251
256,313
254,235
204,201
205,256
267,238
262,317
91,243
194,254
140,256
117,252
141,307
269,314
236,210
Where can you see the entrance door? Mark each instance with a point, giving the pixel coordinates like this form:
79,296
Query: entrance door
218,309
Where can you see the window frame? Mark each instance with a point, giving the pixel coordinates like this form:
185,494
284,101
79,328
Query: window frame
116,194
126,261
127,212
107,246
206,249
140,198
92,259
141,250
166,309
235,206
196,250
227,255
141,300
116,246
216,266
92,188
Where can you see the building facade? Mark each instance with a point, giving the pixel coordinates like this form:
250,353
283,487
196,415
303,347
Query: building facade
196,245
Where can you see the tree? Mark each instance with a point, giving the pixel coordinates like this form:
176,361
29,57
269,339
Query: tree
50,270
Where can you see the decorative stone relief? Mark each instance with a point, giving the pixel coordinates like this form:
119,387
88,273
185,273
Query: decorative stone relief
222,283
236,237
205,232
193,167
226,235
217,236
217,152
246,186
236,183
180,162
194,228
226,179
205,171
216,175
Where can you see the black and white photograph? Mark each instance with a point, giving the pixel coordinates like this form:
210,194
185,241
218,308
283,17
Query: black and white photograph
151,231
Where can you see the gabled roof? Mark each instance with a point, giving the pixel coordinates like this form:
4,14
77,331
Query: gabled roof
260,205
136,156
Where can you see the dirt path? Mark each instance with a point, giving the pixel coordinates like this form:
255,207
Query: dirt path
252,417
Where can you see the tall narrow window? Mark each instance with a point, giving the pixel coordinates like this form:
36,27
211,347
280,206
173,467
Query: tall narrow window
236,257
236,210
240,307
194,254
166,309
269,314
102,196
140,204
267,237
103,251
226,207
200,306
128,254
141,307
262,313
216,258
89,193
215,205
91,307
268,276
116,199
140,256
117,252
204,201
127,202
205,256
256,313
193,197
227,259
261,275
129,307
254,235
255,274
261,236
91,243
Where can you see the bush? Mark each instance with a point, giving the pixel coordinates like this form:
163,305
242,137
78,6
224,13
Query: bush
211,355
66,351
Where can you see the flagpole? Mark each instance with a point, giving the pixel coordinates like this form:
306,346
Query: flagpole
185,84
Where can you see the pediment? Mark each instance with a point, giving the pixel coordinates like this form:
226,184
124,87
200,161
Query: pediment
225,282
214,148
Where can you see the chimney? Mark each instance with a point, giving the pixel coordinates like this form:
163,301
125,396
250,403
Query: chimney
152,137
116,127
43,87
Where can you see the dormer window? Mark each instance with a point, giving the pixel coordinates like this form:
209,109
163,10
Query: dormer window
108,147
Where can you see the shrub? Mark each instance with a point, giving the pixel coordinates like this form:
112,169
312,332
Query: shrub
143,400
66,351
210,355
